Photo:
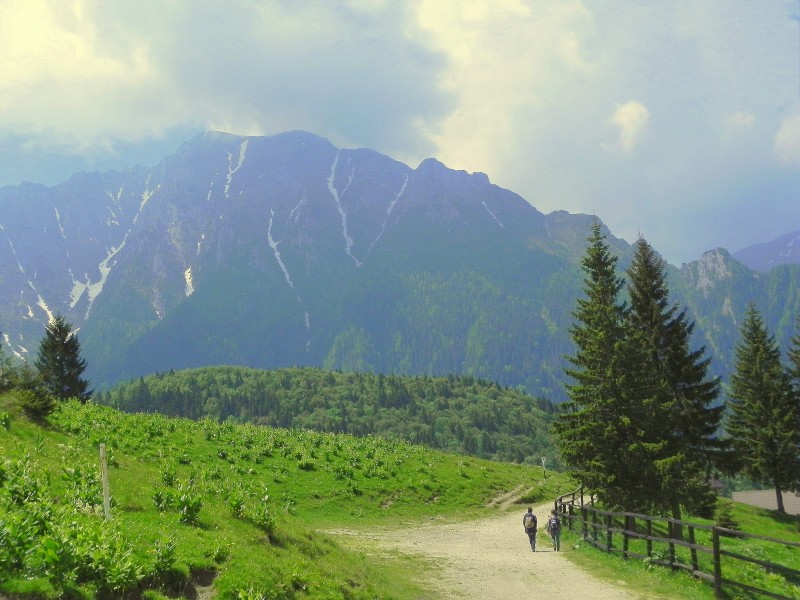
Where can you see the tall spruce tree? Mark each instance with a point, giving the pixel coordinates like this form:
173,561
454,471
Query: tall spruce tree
595,434
60,364
794,370
684,421
763,420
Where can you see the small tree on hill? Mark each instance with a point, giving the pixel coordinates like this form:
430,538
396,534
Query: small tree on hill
33,397
60,364
763,421
6,370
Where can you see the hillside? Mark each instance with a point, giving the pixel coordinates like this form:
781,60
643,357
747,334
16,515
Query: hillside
457,413
281,251
198,501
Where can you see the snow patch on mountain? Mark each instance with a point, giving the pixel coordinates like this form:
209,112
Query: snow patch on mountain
274,245
94,289
231,168
348,241
146,195
40,302
58,222
19,351
389,211
295,212
187,277
489,210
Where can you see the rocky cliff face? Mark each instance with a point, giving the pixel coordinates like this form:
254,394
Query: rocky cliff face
285,250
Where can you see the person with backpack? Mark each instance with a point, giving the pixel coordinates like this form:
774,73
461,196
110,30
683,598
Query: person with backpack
554,529
529,524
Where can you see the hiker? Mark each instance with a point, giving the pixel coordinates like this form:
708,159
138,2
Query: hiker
529,524
554,529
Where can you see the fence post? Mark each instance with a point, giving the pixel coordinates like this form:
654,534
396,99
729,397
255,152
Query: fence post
584,522
625,537
649,538
671,544
608,532
717,563
104,480
693,550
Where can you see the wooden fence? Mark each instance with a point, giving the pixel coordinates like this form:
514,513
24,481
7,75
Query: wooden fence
661,541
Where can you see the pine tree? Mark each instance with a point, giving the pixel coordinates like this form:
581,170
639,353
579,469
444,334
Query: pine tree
595,431
684,420
7,370
794,370
60,364
763,420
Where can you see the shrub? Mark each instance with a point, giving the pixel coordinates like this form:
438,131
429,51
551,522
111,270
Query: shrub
189,504
36,404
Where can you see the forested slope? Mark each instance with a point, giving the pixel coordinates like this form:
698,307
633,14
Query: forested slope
456,413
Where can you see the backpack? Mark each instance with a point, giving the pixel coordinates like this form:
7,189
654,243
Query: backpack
529,520
555,524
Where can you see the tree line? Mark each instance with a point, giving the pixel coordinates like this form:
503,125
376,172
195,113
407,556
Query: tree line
457,413
56,373
644,427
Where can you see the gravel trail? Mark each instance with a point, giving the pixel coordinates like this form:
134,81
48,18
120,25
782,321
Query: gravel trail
491,559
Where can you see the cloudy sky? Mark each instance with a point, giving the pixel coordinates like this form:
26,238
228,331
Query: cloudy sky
675,119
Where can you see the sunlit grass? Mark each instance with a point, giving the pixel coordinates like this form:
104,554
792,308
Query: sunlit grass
248,503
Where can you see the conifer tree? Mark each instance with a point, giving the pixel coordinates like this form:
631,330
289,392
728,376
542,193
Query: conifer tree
763,420
684,420
794,369
595,429
60,364
6,370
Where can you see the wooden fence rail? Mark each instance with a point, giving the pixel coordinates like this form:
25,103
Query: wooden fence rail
637,534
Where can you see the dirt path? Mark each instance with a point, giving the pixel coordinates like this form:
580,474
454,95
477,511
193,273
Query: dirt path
491,559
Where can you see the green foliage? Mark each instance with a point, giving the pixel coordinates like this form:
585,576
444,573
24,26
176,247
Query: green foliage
590,431
60,364
676,410
640,427
764,420
460,414
36,404
723,515
33,396
54,539
188,503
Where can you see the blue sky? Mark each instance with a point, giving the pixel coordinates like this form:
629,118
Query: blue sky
676,120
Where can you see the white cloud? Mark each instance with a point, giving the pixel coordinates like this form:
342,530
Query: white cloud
787,141
741,120
632,119
506,59
524,90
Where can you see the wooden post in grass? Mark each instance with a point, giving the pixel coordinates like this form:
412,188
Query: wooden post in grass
104,479
717,563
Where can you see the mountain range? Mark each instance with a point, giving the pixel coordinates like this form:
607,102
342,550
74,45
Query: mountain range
283,251
784,250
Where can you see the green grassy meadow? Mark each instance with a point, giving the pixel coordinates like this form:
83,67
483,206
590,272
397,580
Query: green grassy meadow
245,508
196,500
656,581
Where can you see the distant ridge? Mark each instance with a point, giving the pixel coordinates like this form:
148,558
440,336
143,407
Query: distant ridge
763,257
286,251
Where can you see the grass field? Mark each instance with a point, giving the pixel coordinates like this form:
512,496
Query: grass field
190,499
247,506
